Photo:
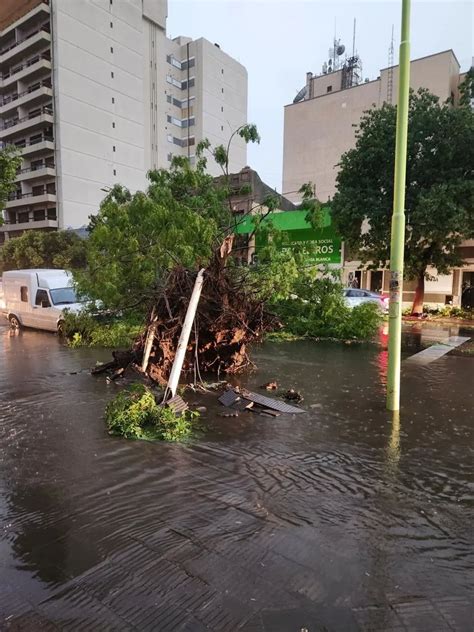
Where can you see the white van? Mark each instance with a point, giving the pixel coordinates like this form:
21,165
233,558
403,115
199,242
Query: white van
37,298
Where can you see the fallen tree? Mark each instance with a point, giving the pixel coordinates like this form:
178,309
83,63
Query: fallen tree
229,317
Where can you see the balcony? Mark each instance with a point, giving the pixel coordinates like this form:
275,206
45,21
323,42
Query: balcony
28,199
36,173
32,121
9,227
32,42
38,92
38,14
44,144
30,68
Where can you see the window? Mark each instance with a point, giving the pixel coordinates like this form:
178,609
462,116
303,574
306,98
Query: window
170,138
111,49
188,63
113,99
173,81
113,124
329,89
222,71
170,157
111,25
222,108
112,74
113,148
115,172
51,213
168,98
187,84
24,294
222,90
42,299
174,120
222,128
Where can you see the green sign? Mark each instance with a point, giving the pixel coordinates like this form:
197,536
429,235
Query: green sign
324,246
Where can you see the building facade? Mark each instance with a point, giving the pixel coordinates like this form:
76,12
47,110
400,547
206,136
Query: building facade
94,93
320,126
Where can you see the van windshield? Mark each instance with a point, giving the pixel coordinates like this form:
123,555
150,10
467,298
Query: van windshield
63,296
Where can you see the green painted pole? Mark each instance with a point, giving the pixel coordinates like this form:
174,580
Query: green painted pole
398,218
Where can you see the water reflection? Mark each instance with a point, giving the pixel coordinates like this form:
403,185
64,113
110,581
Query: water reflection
393,448
330,492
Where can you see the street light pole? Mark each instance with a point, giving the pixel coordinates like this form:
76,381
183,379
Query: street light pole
398,218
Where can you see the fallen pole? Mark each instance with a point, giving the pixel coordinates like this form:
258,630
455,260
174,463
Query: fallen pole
173,380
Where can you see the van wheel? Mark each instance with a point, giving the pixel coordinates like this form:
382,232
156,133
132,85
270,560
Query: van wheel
61,328
14,322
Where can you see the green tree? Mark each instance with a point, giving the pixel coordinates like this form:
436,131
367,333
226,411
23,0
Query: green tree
10,161
39,249
439,192
136,239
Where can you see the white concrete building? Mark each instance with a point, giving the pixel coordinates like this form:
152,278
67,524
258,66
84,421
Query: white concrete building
94,93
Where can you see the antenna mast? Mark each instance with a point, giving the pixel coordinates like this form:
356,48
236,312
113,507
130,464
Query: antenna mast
390,72
354,39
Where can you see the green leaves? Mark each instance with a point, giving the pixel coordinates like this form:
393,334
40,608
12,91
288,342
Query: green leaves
439,192
10,161
38,249
134,414
136,239
249,133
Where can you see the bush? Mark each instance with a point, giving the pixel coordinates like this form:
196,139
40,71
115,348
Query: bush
134,414
317,309
85,330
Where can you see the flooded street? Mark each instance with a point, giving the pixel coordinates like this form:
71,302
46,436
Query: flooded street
345,518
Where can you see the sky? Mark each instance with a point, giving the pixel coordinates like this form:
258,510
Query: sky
278,41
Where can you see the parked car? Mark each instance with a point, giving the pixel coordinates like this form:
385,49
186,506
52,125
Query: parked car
38,298
355,297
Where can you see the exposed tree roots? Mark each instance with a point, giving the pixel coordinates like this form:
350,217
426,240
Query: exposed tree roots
228,318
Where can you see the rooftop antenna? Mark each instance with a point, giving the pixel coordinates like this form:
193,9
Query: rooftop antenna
354,39
390,72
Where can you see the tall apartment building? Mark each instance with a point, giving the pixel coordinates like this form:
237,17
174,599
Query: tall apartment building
94,93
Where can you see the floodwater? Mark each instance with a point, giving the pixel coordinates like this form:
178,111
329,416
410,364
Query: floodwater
345,518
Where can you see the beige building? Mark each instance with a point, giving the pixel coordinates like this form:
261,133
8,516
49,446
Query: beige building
92,92
319,128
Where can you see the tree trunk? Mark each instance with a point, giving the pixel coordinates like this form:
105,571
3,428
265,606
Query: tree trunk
417,309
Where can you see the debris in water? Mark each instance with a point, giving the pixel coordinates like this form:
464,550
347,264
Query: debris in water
293,396
234,396
176,404
270,386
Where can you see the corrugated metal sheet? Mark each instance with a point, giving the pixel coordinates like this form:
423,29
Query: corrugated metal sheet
177,404
268,402
229,397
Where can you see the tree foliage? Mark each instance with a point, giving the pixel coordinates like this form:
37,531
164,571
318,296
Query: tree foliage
10,161
39,249
137,238
439,190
